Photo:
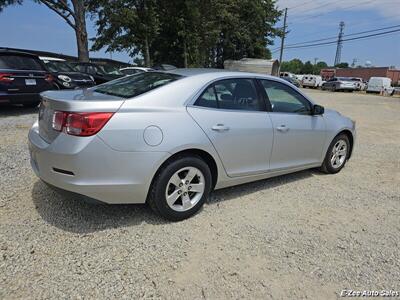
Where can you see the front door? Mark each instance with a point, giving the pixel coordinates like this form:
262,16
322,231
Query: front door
299,137
233,116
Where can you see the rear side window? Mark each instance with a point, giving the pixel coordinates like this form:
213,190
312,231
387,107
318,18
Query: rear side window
132,86
19,62
237,94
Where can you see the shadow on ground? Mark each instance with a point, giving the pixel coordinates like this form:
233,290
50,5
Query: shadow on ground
70,212
7,110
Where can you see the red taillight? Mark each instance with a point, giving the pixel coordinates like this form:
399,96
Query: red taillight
80,124
5,77
49,78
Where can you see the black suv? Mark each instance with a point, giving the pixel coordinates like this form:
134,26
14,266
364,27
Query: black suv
22,78
65,77
98,72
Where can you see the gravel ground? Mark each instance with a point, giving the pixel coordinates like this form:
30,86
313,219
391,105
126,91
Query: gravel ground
304,235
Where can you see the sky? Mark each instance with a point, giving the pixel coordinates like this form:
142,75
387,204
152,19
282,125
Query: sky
34,26
310,20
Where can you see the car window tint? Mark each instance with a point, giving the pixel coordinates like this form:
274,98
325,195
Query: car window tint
237,94
208,98
19,62
285,99
132,86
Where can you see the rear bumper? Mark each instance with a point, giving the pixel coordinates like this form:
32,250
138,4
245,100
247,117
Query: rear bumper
19,98
92,168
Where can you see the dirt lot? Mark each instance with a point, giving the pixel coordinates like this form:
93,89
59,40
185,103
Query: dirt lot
305,235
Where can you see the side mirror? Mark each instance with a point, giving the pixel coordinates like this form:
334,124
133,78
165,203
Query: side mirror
318,110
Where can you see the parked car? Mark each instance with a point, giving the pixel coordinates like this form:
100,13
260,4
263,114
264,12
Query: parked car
98,72
312,81
359,83
379,84
292,81
164,67
169,138
65,77
22,77
340,84
134,70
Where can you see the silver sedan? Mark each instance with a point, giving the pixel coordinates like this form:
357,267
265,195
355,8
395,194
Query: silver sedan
169,138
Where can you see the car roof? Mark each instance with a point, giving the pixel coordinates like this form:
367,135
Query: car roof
216,73
14,52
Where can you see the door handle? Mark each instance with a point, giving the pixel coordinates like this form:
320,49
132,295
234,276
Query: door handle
220,127
282,128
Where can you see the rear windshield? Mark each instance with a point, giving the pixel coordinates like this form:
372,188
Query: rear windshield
134,85
19,62
58,66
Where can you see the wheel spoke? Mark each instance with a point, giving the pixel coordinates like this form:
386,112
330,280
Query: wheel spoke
175,180
186,202
190,175
171,199
333,160
337,161
197,187
342,152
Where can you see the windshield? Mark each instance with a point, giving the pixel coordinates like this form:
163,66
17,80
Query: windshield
58,66
134,85
111,70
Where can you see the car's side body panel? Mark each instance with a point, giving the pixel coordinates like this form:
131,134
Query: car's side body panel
118,164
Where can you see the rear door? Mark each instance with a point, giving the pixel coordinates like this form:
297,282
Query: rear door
232,114
25,74
299,137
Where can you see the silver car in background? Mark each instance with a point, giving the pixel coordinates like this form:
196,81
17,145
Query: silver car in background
168,138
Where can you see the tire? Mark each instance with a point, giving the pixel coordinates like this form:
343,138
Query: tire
31,104
333,89
340,144
166,183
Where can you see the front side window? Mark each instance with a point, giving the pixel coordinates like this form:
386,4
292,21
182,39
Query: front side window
285,99
236,94
132,86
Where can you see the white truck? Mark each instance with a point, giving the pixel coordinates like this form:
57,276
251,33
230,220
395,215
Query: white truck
312,81
380,85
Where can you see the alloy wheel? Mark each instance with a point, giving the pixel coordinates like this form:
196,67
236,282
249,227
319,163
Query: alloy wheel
185,188
339,154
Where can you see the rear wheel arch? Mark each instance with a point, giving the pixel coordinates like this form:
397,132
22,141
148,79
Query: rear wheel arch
204,155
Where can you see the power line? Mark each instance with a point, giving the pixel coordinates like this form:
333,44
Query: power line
322,14
321,46
345,35
344,40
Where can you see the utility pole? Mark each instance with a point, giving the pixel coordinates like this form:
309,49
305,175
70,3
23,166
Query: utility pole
282,40
339,44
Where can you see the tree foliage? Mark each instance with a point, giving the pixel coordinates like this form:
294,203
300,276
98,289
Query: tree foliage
187,32
296,66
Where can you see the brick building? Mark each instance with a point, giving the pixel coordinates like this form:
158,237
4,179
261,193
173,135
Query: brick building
364,73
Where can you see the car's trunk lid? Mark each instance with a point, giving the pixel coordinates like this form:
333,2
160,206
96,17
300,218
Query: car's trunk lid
72,101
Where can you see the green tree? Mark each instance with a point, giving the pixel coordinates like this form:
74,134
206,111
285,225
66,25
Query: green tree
130,25
187,32
308,68
73,12
342,65
294,66
319,66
